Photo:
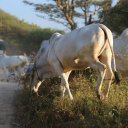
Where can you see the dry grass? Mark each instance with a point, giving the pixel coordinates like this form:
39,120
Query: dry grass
49,110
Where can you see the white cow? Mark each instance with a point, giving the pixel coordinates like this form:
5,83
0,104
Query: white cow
90,46
121,51
13,64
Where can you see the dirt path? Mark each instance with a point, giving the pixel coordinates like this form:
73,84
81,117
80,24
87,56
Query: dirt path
7,93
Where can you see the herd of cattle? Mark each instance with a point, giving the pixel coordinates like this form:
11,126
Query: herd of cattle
89,46
13,66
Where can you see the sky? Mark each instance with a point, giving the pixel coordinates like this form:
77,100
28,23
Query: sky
27,13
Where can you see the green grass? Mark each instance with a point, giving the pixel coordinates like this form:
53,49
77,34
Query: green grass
49,110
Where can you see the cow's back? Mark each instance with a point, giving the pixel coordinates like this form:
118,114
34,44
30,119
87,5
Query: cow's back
76,48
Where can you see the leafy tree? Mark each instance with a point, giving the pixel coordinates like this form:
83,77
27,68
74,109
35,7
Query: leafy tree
66,11
20,36
90,9
58,10
117,17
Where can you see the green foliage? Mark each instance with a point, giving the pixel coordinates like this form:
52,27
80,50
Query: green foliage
34,39
49,110
67,12
117,17
21,36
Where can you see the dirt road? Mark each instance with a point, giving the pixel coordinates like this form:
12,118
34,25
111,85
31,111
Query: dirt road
7,113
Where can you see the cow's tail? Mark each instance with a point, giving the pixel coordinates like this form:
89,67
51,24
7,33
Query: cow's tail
110,42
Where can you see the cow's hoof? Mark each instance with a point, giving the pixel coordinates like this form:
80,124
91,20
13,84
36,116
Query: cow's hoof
71,98
101,96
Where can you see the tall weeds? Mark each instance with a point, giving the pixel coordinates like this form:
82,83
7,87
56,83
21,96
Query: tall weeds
49,110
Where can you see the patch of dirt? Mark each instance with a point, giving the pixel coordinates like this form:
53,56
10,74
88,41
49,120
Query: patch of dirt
7,108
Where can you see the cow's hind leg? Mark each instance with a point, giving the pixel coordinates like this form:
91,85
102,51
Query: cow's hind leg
101,74
108,77
109,73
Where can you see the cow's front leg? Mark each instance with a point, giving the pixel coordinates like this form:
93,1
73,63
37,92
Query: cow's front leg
64,76
36,87
63,89
64,82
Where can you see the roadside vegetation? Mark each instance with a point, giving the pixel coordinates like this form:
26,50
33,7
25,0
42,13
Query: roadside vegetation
21,36
49,110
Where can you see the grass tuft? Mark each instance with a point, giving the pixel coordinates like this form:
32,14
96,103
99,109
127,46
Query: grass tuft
49,110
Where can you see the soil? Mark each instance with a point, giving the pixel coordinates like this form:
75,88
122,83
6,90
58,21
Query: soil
7,107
